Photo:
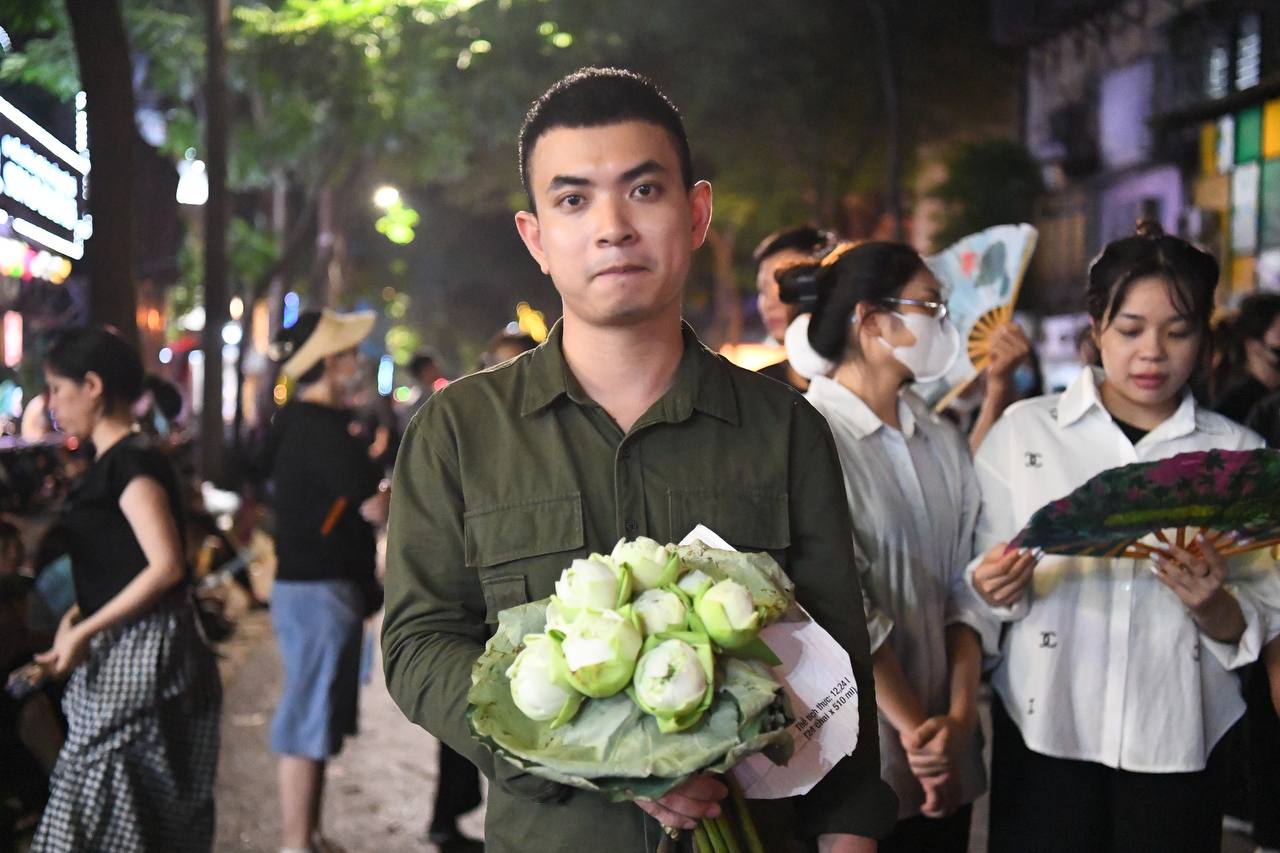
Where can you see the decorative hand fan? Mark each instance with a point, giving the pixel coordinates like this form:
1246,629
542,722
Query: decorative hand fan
980,276
1215,492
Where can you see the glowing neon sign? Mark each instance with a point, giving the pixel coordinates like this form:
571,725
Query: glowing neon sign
43,184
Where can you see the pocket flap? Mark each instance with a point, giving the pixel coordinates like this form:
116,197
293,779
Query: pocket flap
502,533
503,593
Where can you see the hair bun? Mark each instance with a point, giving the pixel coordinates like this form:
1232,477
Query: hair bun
1149,226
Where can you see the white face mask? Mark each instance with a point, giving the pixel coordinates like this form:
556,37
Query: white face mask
936,348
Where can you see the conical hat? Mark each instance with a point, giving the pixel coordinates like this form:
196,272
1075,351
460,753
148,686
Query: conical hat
334,333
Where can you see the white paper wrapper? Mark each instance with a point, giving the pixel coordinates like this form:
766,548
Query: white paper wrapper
818,676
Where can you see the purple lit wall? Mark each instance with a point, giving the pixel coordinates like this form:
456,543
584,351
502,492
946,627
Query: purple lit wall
1122,202
1123,110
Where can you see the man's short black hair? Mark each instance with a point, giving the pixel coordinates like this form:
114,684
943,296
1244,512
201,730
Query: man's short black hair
594,97
805,238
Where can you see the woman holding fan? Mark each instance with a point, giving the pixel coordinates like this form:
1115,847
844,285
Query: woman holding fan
1115,680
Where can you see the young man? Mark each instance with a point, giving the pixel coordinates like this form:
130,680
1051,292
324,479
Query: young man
620,424
780,250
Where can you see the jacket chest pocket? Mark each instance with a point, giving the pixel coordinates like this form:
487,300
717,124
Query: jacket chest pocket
748,519
519,548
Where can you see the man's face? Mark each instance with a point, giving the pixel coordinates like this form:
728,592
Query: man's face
774,313
614,225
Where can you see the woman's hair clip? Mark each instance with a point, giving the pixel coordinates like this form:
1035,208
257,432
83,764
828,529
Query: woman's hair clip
837,250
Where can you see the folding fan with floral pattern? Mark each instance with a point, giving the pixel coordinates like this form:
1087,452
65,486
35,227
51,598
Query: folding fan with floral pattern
1215,493
980,277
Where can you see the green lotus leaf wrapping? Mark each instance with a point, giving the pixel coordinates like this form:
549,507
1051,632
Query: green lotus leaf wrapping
613,745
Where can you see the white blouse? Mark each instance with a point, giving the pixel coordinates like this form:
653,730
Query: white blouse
914,503
1101,662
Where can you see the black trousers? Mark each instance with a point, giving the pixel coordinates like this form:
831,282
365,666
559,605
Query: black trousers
935,835
1262,741
1041,804
457,790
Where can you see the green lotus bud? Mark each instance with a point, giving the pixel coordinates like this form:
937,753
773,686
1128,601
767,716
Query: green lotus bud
728,614
694,583
600,650
540,682
652,566
596,583
674,679
659,610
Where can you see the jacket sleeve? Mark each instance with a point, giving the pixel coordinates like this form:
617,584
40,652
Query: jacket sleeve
434,627
852,798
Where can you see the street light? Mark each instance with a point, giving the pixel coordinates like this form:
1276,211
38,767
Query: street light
386,197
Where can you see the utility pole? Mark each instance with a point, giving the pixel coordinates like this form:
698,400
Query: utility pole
216,215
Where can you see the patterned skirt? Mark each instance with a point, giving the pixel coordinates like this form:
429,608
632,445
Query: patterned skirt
136,771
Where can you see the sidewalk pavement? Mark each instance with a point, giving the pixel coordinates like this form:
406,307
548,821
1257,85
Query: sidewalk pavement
380,788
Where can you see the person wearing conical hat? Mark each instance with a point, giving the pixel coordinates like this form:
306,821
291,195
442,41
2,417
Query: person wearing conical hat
328,496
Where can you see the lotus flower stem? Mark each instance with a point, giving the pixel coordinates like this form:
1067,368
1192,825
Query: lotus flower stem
712,828
726,832
701,843
748,826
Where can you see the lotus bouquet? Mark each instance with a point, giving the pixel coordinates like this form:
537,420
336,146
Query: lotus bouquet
644,669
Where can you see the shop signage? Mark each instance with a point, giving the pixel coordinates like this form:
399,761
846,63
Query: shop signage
42,192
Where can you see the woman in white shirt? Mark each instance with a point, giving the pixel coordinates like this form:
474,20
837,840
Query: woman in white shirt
1115,680
878,322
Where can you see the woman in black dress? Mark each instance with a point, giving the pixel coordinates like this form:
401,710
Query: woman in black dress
143,701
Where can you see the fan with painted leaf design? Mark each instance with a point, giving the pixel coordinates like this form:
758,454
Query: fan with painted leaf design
980,277
1230,497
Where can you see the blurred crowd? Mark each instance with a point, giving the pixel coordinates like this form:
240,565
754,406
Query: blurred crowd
116,561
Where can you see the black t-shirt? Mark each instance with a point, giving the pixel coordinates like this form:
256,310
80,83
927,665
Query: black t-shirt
105,554
320,474
1131,432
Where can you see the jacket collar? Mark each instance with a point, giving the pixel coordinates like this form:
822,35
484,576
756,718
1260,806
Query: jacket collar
1082,397
853,411
702,381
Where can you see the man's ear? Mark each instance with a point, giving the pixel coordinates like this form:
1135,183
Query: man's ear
700,211
531,233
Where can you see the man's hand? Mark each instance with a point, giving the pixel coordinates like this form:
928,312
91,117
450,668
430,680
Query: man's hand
683,807
1002,576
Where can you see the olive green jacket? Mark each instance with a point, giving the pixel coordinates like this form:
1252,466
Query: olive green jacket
507,475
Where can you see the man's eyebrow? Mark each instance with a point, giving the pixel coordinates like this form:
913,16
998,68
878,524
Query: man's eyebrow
560,181
646,168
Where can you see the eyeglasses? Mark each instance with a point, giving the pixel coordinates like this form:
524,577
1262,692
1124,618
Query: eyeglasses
937,310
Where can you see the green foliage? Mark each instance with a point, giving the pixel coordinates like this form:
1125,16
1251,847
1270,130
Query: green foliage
988,183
